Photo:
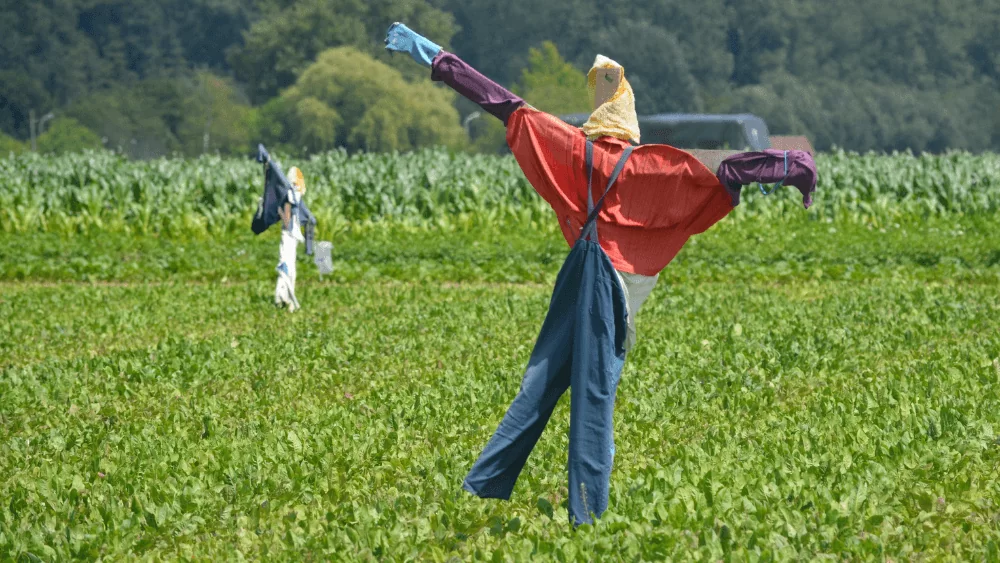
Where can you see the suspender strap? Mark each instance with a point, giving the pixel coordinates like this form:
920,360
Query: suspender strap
590,176
590,227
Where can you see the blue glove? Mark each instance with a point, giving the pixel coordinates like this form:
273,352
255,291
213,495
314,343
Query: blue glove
403,39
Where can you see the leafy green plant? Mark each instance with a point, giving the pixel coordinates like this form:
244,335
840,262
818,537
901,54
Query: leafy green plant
105,193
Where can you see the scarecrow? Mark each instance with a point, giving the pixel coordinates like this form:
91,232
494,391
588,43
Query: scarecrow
626,211
282,201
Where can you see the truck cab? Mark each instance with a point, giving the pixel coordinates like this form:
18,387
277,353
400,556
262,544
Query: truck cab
737,132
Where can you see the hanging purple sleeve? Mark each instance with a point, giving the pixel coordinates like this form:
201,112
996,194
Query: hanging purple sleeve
770,166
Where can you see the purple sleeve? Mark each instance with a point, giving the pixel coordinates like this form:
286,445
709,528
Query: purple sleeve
768,167
467,81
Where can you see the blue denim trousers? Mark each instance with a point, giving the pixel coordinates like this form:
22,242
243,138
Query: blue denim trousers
581,347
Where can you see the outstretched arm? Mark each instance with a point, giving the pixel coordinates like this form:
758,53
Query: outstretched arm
453,71
264,157
794,167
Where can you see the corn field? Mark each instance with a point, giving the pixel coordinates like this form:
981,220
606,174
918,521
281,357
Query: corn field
104,192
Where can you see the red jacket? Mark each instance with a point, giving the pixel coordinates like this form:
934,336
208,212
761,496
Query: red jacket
662,197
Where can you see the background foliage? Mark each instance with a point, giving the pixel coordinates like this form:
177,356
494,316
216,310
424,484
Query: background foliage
151,78
348,99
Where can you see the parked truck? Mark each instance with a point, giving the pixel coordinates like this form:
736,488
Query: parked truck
739,132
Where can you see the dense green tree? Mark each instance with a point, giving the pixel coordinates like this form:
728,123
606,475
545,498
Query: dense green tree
67,135
134,37
140,120
207,28
58,52
349,99
10,145
44,60
496,36
217,117
160,116
701,31
281,45
19,95
150,38
289,35
551,84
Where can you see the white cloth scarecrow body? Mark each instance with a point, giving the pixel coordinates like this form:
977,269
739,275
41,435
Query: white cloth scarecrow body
291,236
284,290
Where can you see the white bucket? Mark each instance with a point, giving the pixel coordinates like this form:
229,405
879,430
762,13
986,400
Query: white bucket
322,257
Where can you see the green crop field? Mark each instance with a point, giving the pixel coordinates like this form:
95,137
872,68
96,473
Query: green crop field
819,384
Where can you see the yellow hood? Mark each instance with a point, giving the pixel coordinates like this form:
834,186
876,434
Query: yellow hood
615,117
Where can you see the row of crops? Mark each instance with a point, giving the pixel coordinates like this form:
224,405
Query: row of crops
109,193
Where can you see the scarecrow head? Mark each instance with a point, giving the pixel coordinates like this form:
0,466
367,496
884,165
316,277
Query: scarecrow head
297,180
614,103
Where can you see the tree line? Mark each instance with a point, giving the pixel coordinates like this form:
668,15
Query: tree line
149,78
